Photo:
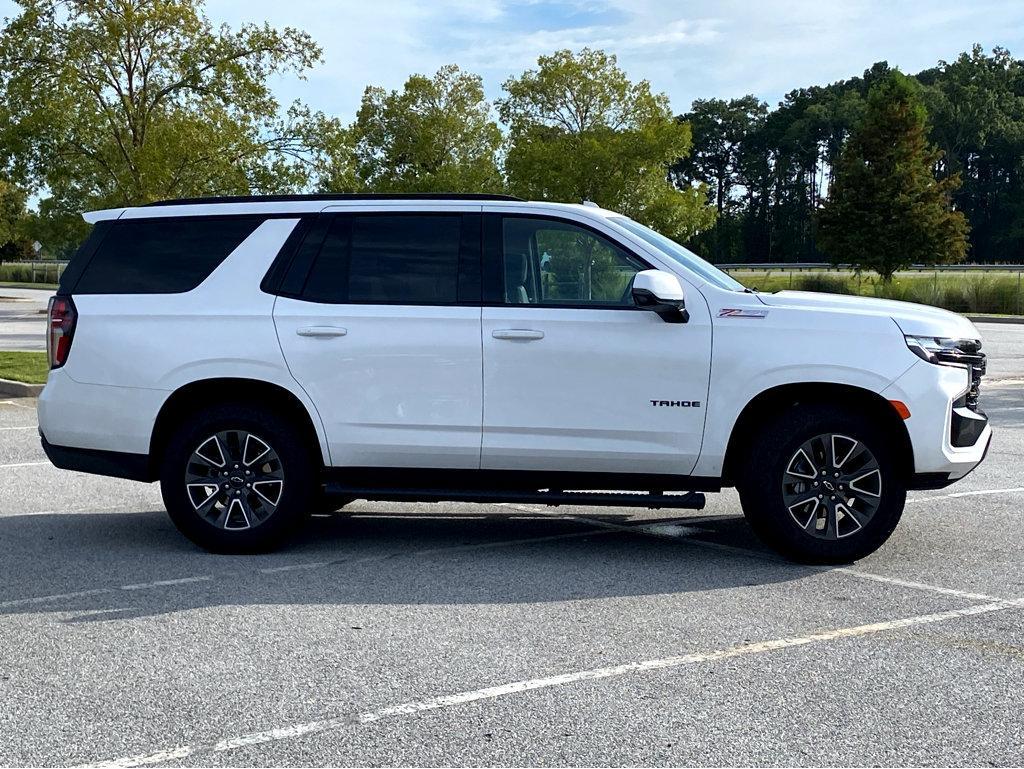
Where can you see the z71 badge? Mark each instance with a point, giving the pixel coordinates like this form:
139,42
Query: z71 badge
735,312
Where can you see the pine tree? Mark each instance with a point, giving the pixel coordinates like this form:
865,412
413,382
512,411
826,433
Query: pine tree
886,209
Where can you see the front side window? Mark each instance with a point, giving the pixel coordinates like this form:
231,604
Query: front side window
557,263
388,259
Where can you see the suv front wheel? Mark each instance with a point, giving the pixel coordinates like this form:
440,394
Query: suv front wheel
237,479
823,485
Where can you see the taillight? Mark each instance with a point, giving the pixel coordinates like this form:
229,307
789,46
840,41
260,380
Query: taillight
62,317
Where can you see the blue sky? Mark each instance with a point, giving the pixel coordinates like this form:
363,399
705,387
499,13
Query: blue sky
688,49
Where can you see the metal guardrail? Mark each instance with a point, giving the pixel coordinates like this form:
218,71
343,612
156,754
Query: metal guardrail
1003,295
996,289
828,266
50,262
34,271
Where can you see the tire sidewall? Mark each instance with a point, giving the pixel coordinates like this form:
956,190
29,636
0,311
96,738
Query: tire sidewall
761,486
297,462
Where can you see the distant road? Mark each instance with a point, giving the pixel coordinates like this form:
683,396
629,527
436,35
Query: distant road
23,327
23,318
1004,346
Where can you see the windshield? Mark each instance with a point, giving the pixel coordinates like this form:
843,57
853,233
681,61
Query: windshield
678,254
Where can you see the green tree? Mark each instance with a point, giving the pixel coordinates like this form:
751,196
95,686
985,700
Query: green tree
580,130
722,133
436,135
976,106
120,102
13,221
887,210
804,138
60,231
719,130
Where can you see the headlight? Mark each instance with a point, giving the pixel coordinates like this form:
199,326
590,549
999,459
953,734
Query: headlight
937,349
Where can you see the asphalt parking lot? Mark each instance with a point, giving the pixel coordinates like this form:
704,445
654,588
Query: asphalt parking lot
482,635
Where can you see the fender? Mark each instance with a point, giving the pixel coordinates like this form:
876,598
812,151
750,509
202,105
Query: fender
753,355
257,376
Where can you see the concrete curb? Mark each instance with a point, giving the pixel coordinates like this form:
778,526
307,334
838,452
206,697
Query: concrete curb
995,318
19,389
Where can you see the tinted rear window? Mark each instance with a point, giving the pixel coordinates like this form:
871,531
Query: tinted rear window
388,259
162,256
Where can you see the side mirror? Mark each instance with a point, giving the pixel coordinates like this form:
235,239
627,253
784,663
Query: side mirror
660,292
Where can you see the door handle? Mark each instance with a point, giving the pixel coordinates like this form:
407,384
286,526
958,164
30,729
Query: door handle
322,331
522,334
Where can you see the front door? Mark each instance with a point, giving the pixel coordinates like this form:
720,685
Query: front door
382,330
576,378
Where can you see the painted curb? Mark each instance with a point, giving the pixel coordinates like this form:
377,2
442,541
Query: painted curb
19,389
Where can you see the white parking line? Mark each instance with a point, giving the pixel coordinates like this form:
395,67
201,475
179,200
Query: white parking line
506,543
959,494
54,597
678,531
19,405
23,464
101,591
683,534
78,511
165,583
20,427
147,760
679,534
920,586
413,707
294,567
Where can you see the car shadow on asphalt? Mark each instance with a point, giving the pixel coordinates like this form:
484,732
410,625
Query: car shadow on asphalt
95,567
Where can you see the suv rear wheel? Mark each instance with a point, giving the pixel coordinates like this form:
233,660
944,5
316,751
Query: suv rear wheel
822,485
237,479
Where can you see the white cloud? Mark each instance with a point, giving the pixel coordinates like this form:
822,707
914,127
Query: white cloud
689,49
521,51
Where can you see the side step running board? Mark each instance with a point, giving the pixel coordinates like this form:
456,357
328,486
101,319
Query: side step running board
691,500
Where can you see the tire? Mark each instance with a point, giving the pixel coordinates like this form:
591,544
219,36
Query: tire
236,478
789,501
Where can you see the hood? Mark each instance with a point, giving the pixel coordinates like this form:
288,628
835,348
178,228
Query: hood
917,319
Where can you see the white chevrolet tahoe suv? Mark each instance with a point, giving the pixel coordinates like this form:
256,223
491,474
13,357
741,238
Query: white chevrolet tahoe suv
264,358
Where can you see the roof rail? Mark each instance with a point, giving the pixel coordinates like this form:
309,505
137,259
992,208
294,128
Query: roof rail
331,197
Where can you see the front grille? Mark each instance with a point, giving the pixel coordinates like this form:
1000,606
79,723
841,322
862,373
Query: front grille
967,353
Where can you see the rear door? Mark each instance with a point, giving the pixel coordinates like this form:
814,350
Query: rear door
576,377
380,324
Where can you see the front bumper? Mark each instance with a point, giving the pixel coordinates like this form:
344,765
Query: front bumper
938,422
922,481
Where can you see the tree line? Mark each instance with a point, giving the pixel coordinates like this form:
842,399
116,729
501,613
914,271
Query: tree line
108,103
770,171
